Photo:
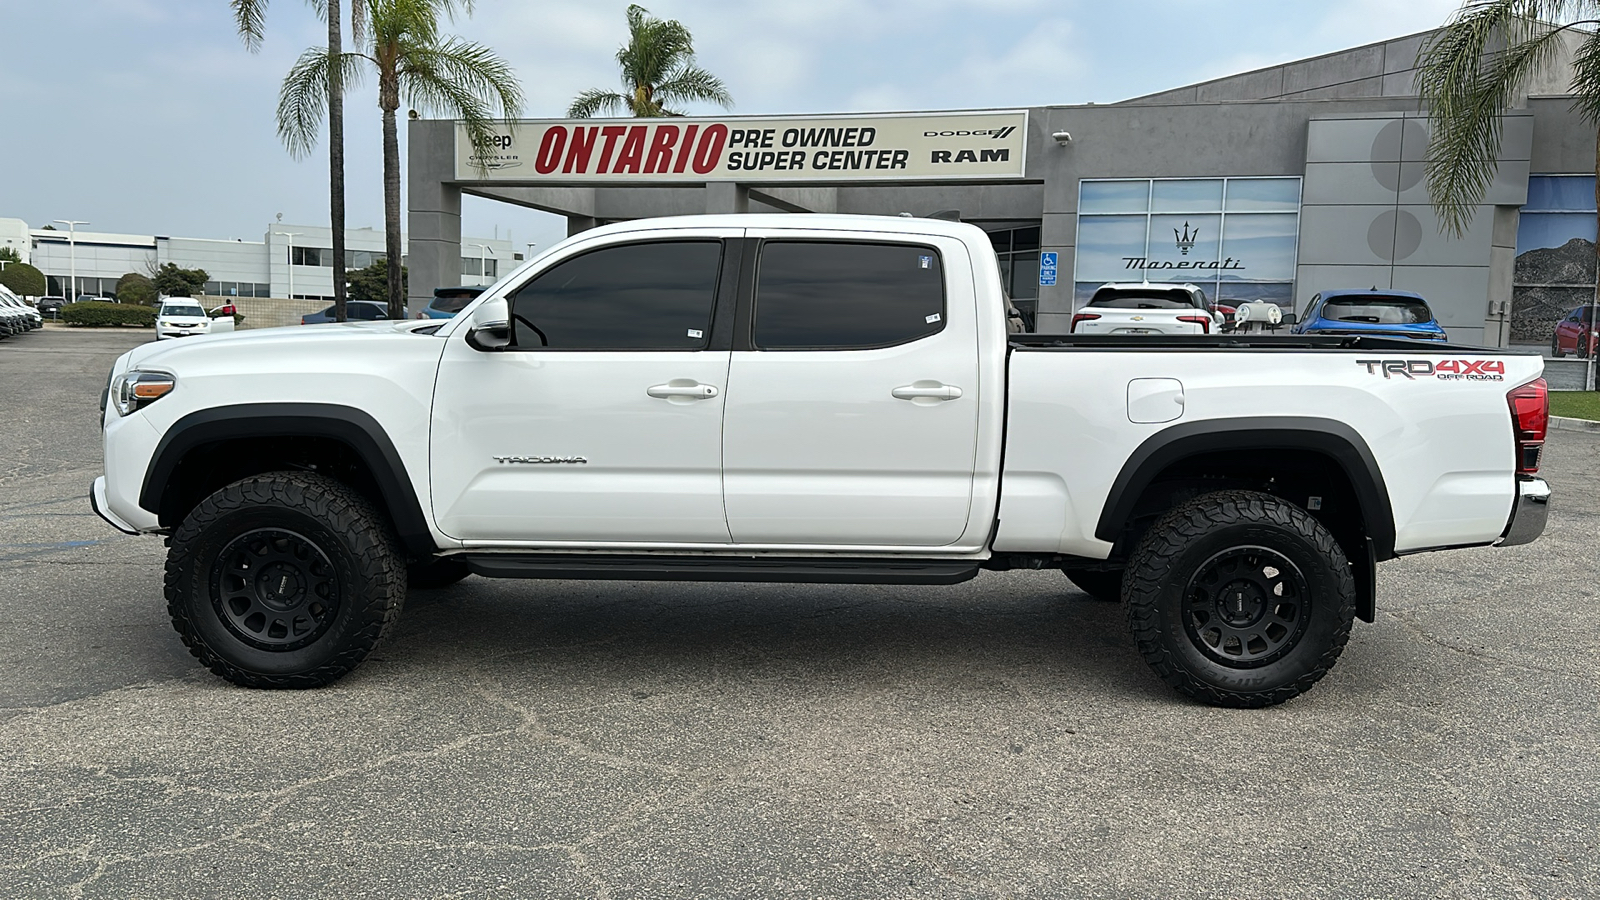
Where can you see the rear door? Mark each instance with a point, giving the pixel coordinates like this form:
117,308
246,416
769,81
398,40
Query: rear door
852,414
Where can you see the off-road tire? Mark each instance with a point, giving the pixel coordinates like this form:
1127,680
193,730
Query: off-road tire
1165,606
431,574
1097,583
351,547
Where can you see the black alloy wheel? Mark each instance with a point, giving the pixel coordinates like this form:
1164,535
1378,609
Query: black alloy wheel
1239,599
275,589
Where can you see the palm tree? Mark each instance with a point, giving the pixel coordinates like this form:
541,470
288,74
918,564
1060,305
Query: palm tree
413,62
1477,66
657,69
250,17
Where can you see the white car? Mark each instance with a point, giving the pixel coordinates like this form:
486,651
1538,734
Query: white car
183,317
810,398
20,309
1147,309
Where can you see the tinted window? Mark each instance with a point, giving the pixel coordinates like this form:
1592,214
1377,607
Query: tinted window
812,295
1377,310
1140,298
655,296
453,301
362,311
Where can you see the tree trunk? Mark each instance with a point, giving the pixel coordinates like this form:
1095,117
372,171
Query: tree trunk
1587,334
391,203
336,158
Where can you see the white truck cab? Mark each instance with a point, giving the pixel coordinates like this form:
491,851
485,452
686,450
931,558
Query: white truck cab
806,399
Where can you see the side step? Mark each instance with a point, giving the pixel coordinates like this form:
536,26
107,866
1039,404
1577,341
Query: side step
723,568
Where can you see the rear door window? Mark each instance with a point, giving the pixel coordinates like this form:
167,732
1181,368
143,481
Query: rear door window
846,295
651,296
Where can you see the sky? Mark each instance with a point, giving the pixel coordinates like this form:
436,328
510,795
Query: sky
151,117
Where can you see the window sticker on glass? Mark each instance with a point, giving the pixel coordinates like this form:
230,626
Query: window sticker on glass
696,333
924,261
931,319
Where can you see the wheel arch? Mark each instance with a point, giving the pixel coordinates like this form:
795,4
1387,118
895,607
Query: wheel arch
312,428
1327,438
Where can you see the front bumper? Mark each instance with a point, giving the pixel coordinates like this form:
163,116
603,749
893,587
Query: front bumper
1530,513
97,501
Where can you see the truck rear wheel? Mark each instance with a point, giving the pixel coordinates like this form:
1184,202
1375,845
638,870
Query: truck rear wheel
1098,584
1239,599
284,580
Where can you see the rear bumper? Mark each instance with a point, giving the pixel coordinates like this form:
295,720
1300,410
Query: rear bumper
1530,513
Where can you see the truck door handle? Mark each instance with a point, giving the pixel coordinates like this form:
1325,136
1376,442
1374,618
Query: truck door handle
682,387
929,390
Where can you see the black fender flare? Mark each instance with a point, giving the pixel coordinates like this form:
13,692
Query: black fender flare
1327,437
352,427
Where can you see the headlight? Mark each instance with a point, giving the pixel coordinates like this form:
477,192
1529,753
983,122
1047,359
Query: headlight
134,390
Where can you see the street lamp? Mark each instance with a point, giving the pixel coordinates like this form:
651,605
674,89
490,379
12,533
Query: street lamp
72,253
483,261
531,245
291,235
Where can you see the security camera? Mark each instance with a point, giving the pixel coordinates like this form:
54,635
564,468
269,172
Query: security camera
1063,137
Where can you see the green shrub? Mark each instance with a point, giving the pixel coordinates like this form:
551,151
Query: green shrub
23,279
136,288
93,314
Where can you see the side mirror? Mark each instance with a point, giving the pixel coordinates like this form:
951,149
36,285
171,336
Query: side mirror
1290,318
489,337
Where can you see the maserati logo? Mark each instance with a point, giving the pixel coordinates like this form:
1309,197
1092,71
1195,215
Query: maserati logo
1186,240
539,460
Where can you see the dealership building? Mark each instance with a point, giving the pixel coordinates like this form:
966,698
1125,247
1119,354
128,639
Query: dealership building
290,261
1273,184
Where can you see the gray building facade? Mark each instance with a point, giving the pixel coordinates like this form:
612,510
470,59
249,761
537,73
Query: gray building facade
1273,184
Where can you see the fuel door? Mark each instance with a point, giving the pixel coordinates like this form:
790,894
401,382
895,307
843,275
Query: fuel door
1154,400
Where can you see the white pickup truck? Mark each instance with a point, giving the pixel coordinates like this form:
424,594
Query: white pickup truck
806,399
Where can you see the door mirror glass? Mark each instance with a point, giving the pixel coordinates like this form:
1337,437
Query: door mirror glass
489,337
1290,318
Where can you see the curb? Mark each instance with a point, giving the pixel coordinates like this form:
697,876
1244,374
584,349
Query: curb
1563,423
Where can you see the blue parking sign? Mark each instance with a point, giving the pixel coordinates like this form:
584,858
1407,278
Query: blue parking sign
1047,268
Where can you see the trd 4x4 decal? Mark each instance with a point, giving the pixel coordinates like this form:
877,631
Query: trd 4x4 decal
1444,370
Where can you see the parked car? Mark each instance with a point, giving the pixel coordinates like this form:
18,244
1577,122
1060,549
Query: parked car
30,316
447,301
183,317
354,311
1147,309
806,399
12,321
1373,313
51,306
1575,334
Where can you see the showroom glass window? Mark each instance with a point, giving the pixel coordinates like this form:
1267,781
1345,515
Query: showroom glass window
846,295
1236,238
650,296
1018,252
1554,272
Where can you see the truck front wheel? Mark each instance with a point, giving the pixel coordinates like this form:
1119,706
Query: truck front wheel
1239,599
284,580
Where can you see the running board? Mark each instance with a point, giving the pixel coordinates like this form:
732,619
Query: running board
710,568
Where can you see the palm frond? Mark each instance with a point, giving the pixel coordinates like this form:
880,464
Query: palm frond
462,79
590,102
1469,73
303,96
693,84
1586,79
250,17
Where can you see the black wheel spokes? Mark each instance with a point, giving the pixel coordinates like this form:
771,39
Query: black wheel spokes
1246,606
275,588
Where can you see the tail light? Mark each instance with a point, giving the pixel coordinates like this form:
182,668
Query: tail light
1082,317
1203,321
302,320
1530,419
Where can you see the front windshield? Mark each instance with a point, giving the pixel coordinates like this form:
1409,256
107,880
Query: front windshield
182,309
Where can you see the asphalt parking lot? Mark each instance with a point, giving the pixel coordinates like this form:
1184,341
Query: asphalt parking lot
562,739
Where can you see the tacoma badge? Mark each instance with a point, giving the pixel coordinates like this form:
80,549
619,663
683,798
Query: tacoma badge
539,460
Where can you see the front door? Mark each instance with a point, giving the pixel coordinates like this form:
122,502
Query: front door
852,413
602,422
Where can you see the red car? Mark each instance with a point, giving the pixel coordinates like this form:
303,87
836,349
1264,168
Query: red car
1574,334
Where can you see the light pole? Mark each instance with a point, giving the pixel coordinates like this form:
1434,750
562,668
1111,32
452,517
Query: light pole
291,235
483,261
531,245
72,254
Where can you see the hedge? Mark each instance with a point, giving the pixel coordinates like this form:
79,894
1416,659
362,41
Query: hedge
93,314
23,279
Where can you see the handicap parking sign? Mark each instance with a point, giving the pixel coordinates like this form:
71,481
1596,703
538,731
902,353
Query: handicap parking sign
1047,268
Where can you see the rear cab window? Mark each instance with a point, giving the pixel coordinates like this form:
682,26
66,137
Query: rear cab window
846,295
